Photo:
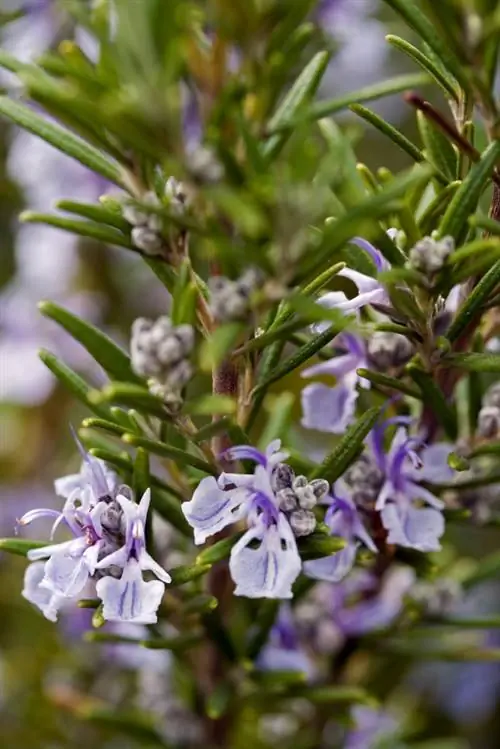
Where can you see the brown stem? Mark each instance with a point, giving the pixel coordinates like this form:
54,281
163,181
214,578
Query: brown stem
447,127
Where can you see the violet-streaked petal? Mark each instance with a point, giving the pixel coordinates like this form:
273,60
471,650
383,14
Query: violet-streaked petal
332,568
331,300
66,572
48,602
211,509
273,658
32,515
118,558
130,599
269,570
412,527
46,551
146,562
386,492
378,259
435,466
329,409
231,480
245,452
274,453
413,490
337,366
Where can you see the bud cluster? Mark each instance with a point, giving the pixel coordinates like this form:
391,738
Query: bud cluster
437,598
388,350
488,422
365,480
297,498
147,226
160,352
230,300
429,255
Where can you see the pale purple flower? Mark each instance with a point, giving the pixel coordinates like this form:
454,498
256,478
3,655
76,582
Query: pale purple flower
408,462
372,729
331,409
265,561
343,520
108,531
370,290
283,650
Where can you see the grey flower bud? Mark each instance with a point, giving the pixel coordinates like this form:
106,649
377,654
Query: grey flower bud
488,422
287,500
180,375
365,479
320,487
492,396
306,497
302,522
204,165
429,255
177,196
299,482
282,477
134,215
147,240
112,518
438,598
386,350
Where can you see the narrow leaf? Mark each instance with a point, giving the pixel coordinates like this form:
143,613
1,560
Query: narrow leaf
434,398
465,200
62,139
302,90
99,232
105,351
392,383
173,453
474,362
20,546
97,213
474,303
447,84
72,382
347,450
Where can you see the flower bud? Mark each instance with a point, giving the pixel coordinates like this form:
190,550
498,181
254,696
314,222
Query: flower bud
492,396
147,240
287,500
302,522
387,350
488,422
429,255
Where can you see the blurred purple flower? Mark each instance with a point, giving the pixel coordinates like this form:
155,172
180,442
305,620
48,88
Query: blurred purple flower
283,650
343,520
372,727
331,409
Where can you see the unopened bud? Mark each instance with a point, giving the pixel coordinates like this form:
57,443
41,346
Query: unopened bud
287,500
387,350
429,255
147,240
492,396
488,422
302,522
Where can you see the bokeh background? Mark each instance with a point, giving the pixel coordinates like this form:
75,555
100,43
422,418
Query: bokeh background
49,676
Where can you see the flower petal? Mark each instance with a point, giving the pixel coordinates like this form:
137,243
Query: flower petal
435,466
329,409
146,562
211,509
66,573
332,568
413,527
337,366
269,570
130,599
47,601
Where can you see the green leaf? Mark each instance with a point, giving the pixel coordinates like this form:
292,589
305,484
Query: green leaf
348,448
218,701
169,507
488,567
173,453
279,408
73,382
214,350
105,425
361,221
99,232
20,546
63,140
434,398
185,574
105,351
368,93
128,394
218,551
432,213
300,357
268,611
342,695
447,83
438,148
474,303
302,91
97,213
419,22
212,403
175,644
473,362
390,131
392,383
488,448
318,545
141,479
465,200
485,222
